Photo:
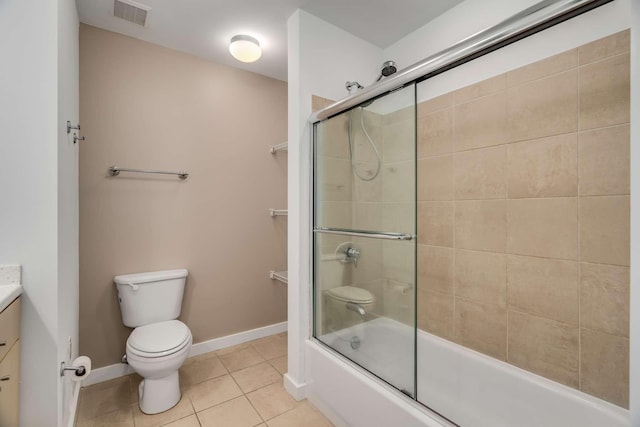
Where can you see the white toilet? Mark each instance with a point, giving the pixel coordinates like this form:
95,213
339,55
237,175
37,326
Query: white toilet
159,344
347,306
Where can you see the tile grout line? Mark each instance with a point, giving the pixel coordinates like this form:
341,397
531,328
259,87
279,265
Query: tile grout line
578,252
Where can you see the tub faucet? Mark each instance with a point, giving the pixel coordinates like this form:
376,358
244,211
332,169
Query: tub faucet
351,255
356,307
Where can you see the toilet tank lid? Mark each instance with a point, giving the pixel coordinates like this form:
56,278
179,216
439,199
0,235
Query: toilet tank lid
152,276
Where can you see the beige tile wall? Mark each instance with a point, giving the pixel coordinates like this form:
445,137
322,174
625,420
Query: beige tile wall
523,217
387,202
145,106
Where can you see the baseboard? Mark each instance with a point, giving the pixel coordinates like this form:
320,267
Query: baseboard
235,339
110,372
296,390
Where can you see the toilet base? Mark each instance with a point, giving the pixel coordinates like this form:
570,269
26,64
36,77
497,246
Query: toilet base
159,395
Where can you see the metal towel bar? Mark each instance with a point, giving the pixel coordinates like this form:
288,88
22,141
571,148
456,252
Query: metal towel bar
360,233
115,171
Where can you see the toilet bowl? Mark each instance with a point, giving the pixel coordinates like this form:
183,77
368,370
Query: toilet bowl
156,352
159,344
347,306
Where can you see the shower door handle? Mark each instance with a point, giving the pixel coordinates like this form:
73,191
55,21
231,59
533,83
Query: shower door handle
361,233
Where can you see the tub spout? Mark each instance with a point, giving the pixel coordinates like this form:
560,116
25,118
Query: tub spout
356,307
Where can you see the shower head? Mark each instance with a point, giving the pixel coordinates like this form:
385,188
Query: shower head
388,68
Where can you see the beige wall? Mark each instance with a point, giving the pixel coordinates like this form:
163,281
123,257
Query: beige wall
145,106
523,217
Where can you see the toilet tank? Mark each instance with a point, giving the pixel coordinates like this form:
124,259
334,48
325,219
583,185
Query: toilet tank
150,297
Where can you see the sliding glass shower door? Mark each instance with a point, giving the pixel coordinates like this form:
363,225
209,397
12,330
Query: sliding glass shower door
364,236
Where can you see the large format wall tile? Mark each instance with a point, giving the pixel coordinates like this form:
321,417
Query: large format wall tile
435,313
435,176
435,268
604,229
545,347
605,47
552,65
480,174
399,142
434,104
336,179
481,277
481,225
480,89
605,366
604,92
544,287
604,161
604,298
435,223
481,123
435,133
398,217
543,227
398,182
539,223
481,327
544,107
546,167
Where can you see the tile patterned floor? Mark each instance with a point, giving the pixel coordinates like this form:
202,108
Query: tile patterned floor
240,386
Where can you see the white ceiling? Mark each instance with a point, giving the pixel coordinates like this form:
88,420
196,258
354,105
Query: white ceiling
204,27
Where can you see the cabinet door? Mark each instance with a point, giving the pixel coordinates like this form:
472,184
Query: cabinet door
9,327
9,387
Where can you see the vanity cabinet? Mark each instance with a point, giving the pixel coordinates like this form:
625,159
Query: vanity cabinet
9,364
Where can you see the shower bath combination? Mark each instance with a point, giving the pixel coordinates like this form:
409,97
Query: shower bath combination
452,318
388,68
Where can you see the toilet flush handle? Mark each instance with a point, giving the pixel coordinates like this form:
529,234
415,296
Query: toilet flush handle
134,287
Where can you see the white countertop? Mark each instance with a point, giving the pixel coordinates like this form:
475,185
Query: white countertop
8,293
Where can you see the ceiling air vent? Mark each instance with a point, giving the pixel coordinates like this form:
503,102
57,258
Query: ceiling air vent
131,11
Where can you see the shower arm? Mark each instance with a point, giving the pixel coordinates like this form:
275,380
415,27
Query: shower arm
535,18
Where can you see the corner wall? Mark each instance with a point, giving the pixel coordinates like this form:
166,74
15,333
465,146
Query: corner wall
321,58
39,192
149,107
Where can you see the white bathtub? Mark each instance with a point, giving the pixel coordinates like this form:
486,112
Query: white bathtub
467,387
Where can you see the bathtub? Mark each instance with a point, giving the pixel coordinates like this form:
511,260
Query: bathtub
467,387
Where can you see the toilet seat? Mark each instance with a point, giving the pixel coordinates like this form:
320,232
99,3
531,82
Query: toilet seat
351,294
159,339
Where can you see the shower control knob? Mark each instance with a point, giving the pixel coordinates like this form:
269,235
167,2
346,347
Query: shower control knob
352,254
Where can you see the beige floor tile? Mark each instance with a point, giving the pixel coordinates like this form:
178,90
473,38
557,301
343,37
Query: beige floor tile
213,392
181,410
271,347
272,400
257,376
241,359
201,368
134,380
280,363
119,418
190,421
232,349
234,413
304,415
105,397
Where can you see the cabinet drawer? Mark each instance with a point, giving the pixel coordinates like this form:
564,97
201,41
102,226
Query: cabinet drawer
9,387
9,327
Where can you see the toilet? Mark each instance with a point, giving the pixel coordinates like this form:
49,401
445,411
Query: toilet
159,344
342,304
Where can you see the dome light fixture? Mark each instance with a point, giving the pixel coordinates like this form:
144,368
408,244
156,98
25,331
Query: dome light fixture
245,48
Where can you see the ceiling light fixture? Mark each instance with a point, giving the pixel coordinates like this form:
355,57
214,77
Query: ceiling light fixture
245,48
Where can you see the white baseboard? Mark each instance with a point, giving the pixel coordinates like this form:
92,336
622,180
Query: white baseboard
110,372
296,390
